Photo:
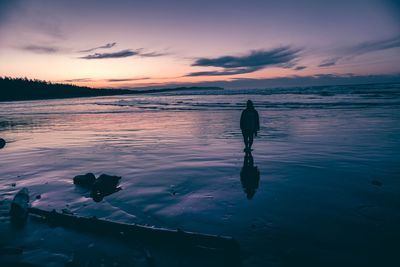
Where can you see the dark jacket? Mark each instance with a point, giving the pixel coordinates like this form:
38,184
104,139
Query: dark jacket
249,120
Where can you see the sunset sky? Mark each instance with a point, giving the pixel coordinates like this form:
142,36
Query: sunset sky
127,44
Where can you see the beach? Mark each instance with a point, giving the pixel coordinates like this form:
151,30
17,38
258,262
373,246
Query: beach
329,162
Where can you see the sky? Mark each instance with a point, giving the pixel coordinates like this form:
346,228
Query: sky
235,44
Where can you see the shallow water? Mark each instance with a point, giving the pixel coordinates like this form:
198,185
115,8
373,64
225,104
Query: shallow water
180,156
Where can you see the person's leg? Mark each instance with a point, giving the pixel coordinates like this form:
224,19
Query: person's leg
245,139
250,142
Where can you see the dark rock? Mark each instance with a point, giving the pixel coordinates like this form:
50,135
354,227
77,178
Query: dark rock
38,197
106,182
86,180
13,184
2,143
19,207
105,185
376,182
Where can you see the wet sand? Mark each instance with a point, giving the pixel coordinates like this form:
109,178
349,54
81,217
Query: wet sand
180,156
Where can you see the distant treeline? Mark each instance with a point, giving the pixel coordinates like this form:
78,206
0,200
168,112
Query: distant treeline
14,89
31,89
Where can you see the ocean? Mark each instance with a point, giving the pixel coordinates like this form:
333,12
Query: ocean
328,157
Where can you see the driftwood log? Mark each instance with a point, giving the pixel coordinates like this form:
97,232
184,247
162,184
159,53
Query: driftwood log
20,208
137,232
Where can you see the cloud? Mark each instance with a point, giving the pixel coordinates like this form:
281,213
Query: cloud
262,58
361,49
109,45
255,60
77,80
224,72
152,54
143,53
329,62
374,46
41,49
51,49
119,54
127,79
300,68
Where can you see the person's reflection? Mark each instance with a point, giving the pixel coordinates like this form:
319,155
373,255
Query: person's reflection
249,176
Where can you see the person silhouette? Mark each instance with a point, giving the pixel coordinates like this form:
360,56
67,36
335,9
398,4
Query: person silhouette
249,176
249,124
